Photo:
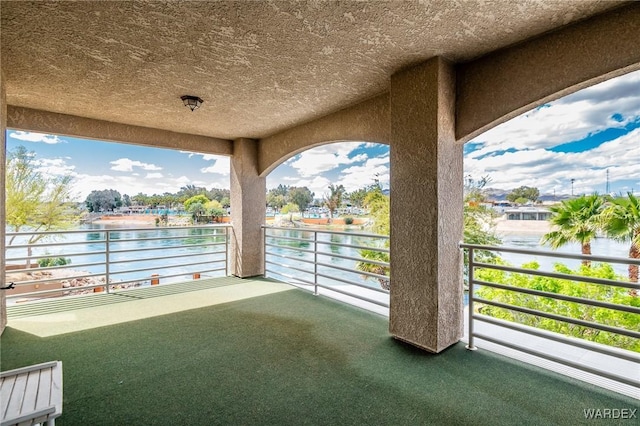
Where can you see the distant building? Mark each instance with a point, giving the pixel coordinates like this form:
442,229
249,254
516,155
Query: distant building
527,213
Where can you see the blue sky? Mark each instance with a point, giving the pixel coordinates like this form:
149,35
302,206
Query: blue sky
578,137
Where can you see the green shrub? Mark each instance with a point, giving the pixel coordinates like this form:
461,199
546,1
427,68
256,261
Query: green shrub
348,221
53,261
596,292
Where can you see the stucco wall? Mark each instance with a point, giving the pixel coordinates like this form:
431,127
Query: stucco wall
426,208
52,123
3,150
248,210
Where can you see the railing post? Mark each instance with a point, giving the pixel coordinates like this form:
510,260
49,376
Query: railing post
470,346
315,262
107,258
264,251
227,237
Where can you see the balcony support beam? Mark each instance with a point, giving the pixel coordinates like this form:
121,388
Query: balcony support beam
426,307
248,210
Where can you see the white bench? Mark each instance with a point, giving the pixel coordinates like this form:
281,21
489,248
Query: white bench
31,395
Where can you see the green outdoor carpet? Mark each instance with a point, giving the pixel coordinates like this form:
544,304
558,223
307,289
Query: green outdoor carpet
291,358
65,315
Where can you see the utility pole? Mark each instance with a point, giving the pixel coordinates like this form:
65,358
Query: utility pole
572,180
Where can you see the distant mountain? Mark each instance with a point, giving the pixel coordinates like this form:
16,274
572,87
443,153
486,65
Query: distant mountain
501,195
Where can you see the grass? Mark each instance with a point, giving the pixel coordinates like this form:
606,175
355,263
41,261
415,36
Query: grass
289,359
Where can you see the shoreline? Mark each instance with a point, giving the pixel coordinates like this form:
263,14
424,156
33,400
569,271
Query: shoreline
501,226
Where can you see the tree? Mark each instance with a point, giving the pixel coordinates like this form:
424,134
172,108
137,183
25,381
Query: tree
196,206
575,220
214,209
290,208
478,223
356,198
301,196
334,199
621,221
379,207
525,192
201,199
36,202
102,201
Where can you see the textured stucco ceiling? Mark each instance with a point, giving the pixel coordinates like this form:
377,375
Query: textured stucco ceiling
260,66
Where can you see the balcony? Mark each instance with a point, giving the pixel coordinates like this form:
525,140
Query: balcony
257,351
263,351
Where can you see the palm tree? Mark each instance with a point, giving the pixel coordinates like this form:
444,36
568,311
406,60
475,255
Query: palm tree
576,220
622,222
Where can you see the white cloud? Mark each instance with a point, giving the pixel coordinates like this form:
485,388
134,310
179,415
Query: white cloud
127,165
325,158
356,177
155,175
569,119
221,166
318,184
36,137
552,171
55,167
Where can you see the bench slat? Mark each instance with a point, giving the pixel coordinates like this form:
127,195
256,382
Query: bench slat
14,409
6,387
44,389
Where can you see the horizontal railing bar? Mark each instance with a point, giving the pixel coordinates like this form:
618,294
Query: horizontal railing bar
357,259
328,243
163,238
301,280
559,296
547,253
355,296
561,338
160,276
290,267
55,268
568,277
561,318
161,268
50,256
54,244
379,290
355,271
177,256
288,248
96,231
322,231
611,376
288,238
111,284
138,250
284,256
54,279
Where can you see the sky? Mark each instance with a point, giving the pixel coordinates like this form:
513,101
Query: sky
578,137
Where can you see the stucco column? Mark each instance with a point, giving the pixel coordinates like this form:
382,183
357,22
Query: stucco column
426,208
3,219
248,210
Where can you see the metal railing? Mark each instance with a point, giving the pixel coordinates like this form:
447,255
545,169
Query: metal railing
536,294
72,262
331,260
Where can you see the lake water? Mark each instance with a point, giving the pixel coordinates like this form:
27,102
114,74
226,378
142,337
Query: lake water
600,246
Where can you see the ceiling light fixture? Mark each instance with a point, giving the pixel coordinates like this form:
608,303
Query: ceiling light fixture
192,102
